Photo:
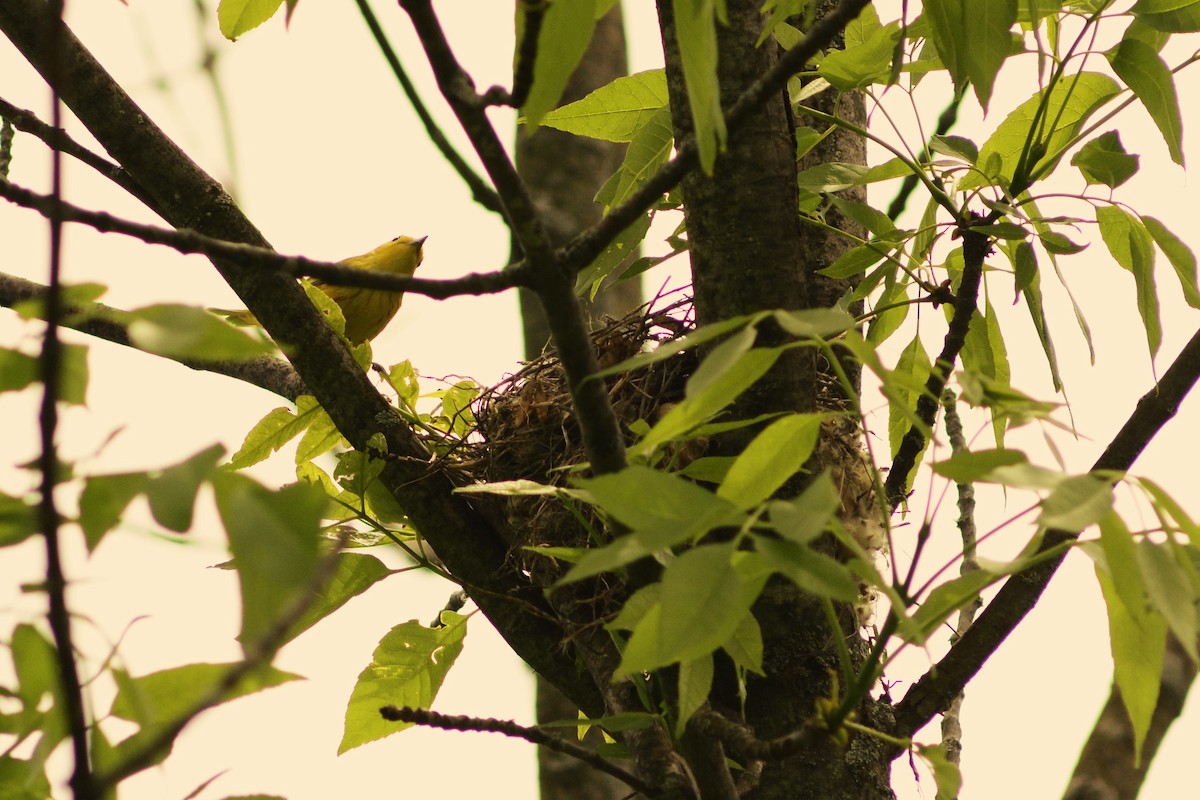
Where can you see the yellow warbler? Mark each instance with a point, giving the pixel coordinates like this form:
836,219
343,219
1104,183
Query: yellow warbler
367,311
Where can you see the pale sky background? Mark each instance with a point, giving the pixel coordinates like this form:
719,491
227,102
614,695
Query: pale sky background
332,163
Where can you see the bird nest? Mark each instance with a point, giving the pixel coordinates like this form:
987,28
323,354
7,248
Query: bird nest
527,431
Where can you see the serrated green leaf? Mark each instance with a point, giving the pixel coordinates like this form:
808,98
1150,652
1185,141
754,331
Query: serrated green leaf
958,147
977,466
863,62
1145,72
648,150
805,518
704,598
948,597
18,520
745,646
275,430
407,669
616,111
1132,247
915,365
973,41
172,492
1103,160
946,775
103,501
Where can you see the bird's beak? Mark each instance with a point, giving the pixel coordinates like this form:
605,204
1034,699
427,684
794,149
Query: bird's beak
420,242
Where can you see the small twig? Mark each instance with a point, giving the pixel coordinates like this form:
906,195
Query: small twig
535,14
6,142
952,718
483,194
449,722
455,603
256,655
975,249
189,241
742,741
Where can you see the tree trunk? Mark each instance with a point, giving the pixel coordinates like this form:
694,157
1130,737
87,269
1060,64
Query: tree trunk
750,251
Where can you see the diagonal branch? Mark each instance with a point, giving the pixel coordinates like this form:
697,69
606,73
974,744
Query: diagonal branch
938,687
975,249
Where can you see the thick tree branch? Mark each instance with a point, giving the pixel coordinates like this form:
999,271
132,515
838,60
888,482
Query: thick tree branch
975,249
470,545
938,687
111,324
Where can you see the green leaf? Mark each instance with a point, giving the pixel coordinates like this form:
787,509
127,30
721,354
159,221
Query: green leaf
804,519
646,499
353,575
172,492
704,598
1182,259
1070,103
696,31
275,430
616,111
1171,591
948,597
745,646
1138,640
777,453
23,779
103,501
946,775
977,466
913,363
1132,247
648,150
864,62
567,27
239,16
274,537
1172,16
973,40
1029,282
695,682
619,251
956,147
1144,71
185,332
18,520
703,404
1075,503
162,697
814,572
407,669
1103,160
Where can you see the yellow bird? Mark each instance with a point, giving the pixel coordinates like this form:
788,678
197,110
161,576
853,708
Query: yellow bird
367,311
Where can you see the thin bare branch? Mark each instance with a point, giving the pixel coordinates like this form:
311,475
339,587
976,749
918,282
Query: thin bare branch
448,722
